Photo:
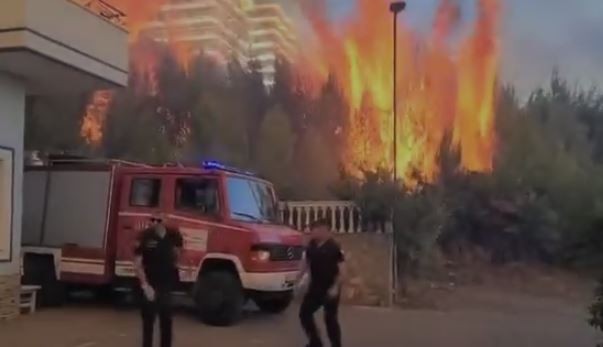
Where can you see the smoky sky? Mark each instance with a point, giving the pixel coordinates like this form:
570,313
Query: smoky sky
536,36
539,35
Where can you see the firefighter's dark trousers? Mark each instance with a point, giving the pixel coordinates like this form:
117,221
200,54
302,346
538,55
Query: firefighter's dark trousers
162,307
314,300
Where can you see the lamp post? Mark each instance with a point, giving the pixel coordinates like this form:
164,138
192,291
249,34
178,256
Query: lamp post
395,7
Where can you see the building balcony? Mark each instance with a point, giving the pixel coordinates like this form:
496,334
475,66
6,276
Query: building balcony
63,46
105,10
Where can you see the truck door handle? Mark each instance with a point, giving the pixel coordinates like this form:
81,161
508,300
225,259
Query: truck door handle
127,227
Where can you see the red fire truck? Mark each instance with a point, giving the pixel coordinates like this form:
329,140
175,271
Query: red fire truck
81,219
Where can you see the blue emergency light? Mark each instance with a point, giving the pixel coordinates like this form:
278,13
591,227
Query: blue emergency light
215,165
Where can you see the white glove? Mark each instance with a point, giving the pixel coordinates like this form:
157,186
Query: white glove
302,285
149,292
333,292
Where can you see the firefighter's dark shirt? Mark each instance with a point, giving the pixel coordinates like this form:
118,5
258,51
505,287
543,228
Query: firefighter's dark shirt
159,256
323,261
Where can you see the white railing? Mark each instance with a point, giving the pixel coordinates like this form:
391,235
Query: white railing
344,216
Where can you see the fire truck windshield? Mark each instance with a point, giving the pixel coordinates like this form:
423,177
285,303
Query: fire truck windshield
251,200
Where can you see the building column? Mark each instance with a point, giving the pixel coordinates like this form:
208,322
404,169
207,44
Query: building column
12,123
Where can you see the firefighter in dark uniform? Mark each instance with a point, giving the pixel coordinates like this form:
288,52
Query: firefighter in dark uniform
156,257
324,262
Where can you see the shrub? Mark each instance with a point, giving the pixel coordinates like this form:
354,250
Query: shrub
596,308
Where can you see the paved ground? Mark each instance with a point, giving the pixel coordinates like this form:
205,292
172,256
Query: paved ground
542,324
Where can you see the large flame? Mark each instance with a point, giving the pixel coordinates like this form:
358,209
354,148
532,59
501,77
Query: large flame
478,64
443,88
138,13
446,81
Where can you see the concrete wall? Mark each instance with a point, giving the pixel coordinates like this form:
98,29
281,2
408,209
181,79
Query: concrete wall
12,110
369,268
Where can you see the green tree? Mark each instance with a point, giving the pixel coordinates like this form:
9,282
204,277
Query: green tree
596,308
134,131
316,169
275,150
330,114
246,84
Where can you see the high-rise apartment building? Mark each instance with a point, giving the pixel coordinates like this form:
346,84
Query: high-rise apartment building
271,36
217,28
245,29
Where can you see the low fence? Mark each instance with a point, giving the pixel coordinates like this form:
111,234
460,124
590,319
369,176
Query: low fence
344,216
369,250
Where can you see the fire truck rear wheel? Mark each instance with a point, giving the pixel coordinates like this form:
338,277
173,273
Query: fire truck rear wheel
274,303
220,298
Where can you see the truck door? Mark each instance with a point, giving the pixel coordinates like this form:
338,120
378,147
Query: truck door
142,196
197,210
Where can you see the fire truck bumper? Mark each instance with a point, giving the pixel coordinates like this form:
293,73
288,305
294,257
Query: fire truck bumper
269,281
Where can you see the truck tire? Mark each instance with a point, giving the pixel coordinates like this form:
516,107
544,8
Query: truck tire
274,303
39,270
104,294
219,298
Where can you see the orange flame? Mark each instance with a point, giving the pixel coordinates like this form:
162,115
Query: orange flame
478,64
94,118
446,85
138,13
440,90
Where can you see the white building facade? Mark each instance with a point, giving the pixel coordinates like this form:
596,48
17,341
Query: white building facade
272,37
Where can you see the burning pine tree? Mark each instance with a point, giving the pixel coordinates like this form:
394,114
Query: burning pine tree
446,94
446,85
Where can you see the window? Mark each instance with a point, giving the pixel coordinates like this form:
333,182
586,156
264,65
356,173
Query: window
251,200
198,195
145,192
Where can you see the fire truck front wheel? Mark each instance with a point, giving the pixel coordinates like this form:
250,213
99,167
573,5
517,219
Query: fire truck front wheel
219,298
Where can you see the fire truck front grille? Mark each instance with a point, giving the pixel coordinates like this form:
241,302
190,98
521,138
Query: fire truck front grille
286,253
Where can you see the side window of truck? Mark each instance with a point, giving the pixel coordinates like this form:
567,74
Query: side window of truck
199,195
145,192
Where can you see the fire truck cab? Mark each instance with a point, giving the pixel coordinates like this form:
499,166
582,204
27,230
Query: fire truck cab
81,220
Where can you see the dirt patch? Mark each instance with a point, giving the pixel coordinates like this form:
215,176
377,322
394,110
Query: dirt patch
368,264
488,287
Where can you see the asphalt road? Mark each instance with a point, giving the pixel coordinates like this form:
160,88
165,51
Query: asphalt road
542,324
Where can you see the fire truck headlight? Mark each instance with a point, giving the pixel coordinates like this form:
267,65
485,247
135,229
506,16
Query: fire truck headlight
260,255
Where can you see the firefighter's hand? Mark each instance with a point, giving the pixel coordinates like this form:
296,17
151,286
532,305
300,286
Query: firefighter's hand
149,292
333,292
300,285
